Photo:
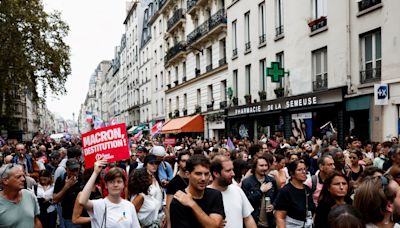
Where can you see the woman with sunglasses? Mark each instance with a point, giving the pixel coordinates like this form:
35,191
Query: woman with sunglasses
335,192
294,205
112,211
374,199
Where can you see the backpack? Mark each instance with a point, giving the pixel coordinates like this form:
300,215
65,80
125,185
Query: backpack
313,183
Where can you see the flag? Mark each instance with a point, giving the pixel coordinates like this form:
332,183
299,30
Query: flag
156,128
138,136
229,144
112,121
89,117
98,123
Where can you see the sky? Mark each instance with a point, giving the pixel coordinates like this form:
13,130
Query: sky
96,27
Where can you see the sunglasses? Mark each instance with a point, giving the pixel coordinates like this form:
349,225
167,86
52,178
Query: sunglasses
9,167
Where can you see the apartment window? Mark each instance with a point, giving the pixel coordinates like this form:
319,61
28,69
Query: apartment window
320,69
169,77
222,52
197,70
210,93
185,101
160,26
156,82
247,31
280,59
278,17
156,107
223,90
209,59
170,105
155,57
162,105
235,83
248,79
198,97
371,56
184,71
177,103
234,39
176,75
161,51
320,8
263,81
162,79
261,23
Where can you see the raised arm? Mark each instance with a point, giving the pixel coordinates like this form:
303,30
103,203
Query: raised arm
84,197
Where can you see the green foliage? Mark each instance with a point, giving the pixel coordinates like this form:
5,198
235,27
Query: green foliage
33,54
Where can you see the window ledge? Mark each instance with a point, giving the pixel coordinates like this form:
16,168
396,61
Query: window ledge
279,37
247,51
370,9
263,44
323,29
367,84
234,57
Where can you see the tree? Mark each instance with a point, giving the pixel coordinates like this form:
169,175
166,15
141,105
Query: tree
33,54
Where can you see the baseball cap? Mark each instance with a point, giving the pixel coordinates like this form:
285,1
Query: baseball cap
150,158
158,151
72,163
142,148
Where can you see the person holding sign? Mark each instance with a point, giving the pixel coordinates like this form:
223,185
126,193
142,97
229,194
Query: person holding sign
112,211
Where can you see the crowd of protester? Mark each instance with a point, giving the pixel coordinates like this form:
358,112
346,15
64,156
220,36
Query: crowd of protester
203,183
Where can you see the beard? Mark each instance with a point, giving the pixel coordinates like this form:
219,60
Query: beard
224,182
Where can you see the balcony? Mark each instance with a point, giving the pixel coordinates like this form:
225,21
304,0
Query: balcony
184,110
320,83
170,115
365,4
197,72
197,109
209,68
370,75
163,5
210,106
210,28
262,39
222,62
192,5
223,104
168,86
234,53
247,47
184,79
176,82
279,31
318,23
178,18
176,112
175,53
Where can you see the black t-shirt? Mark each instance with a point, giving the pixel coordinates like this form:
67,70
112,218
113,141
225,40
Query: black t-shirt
293,201
182,216
177,183
67,203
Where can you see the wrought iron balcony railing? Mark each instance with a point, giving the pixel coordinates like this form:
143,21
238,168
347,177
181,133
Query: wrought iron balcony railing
209,67
262,39
370,75
247,46
178,15
215,20
321,82
318,23
365,4
172,52
222,61
191,4
279,30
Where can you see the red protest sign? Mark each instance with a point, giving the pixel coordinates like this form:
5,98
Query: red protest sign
108,143
170,141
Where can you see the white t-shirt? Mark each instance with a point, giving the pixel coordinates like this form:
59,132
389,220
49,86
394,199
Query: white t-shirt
46,194
122,215
236,206
148,212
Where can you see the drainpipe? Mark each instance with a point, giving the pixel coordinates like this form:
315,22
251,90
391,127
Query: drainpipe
348,64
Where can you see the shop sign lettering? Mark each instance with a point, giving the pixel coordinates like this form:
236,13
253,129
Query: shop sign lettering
248,110
301,102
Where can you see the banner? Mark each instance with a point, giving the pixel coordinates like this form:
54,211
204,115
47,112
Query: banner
108,143
169,141
89,117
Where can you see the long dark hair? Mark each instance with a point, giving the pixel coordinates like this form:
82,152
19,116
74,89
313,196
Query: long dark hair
326,197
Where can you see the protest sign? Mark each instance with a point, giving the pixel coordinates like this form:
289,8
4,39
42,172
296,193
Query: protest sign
108,143
170,141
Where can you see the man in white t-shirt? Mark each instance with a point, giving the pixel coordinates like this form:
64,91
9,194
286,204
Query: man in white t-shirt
237,207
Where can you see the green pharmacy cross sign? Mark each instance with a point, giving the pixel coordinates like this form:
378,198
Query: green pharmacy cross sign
276,72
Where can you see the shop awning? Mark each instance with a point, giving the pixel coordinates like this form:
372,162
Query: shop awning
184,124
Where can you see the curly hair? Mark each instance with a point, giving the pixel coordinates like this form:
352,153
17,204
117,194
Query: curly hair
139,182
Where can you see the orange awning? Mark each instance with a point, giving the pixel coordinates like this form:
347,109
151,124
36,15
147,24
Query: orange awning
184,124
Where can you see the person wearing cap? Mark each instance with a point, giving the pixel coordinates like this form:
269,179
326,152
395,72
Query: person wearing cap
141,154
165,172
55,158
66,190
